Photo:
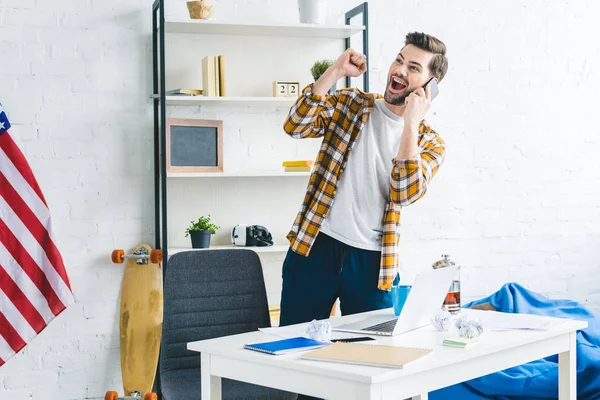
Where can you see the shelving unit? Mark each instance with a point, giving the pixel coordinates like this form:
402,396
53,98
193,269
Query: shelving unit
162,26
278,30
238,174
181,100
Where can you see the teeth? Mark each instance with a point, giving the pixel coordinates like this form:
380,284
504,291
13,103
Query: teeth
398,80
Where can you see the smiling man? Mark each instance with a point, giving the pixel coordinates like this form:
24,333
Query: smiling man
378,155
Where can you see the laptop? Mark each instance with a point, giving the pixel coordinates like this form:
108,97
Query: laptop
424,300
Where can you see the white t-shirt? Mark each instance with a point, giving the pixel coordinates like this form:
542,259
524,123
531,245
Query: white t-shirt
356,216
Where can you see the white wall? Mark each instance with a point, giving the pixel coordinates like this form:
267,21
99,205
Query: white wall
517,200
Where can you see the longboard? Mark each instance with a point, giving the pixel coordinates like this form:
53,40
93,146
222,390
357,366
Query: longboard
140,322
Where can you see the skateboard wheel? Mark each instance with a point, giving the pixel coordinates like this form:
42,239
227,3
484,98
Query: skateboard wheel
111,395
150,396
156,256
118,256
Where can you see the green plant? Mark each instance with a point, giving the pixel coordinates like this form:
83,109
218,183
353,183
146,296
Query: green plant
320,67
203,224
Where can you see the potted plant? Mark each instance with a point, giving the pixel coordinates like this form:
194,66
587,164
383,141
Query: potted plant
312,11
200,232
319,68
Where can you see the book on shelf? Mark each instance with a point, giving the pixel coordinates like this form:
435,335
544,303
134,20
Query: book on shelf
298,163
274,313
213,76
298,169
222,75
184,92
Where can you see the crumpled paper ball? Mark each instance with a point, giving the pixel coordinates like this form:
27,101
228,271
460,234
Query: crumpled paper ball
319,330
442,320
468,327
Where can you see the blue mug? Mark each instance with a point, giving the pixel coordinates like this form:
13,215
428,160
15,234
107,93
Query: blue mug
399,295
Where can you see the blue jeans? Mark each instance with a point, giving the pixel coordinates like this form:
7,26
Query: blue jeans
332,270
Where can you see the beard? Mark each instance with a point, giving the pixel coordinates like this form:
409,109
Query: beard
396,99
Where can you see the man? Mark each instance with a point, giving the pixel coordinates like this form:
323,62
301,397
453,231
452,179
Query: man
378,156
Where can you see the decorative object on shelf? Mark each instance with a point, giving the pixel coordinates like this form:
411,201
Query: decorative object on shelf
194,145
298,166
200,232
319,69
200,9
286,89
251,235
312,11
213,75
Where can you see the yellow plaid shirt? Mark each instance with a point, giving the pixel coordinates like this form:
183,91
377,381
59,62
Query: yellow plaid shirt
338,119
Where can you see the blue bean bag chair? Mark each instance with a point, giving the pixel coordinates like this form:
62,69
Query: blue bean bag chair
536,380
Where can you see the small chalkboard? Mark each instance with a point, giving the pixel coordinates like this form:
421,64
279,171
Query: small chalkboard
194,145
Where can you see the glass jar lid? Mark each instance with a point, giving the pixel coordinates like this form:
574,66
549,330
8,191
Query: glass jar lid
444,262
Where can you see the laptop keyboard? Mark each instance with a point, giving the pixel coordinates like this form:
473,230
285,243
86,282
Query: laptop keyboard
387,326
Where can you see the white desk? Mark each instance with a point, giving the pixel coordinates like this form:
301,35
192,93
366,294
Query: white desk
225,358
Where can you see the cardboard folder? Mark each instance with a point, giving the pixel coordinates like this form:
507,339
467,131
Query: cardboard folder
366,354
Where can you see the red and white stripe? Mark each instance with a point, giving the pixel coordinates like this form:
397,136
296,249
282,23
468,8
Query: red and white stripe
34,286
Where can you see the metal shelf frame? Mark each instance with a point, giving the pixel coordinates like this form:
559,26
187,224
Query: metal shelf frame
160,113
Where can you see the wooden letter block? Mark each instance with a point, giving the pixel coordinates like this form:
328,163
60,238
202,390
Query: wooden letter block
280,89
293,89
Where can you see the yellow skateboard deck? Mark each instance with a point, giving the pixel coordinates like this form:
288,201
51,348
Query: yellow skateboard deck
141,318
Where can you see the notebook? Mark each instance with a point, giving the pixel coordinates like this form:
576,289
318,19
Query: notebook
366,354
285,346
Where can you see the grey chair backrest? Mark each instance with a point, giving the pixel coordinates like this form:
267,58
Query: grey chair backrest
208,294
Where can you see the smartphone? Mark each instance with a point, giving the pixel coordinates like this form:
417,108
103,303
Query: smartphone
434,90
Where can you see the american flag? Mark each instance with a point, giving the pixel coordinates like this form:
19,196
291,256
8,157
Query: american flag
34,286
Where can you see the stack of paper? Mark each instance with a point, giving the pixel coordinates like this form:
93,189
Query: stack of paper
498,321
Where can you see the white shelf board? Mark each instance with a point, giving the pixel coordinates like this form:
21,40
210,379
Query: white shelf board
236,174
228,100
268,249
275,30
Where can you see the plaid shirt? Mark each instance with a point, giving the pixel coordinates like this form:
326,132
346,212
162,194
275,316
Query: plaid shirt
338,118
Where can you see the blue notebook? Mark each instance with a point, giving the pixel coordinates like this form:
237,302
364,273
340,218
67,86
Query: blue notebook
285,346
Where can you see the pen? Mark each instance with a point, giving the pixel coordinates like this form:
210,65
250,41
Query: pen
354,339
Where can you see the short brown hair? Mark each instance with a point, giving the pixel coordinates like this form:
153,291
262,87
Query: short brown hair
439,62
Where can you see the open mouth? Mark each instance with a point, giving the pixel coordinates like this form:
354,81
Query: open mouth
397,85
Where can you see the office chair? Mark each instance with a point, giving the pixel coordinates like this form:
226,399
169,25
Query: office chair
208,294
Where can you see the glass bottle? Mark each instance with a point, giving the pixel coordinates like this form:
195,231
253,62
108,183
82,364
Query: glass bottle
452,300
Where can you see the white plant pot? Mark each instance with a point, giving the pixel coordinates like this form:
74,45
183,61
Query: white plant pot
312,11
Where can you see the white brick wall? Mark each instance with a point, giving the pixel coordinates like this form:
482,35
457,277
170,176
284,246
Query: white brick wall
517,200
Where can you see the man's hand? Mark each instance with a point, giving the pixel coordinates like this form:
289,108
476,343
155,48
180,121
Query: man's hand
351,63
417,105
